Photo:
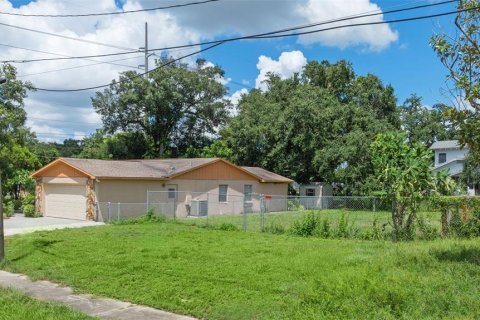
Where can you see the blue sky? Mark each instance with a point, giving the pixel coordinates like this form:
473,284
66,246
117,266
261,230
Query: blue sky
398,53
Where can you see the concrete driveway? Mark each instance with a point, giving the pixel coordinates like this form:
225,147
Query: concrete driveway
19,224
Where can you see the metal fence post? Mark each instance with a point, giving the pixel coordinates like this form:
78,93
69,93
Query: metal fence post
118,210
374,204
109,205
244,214
148,201
262,212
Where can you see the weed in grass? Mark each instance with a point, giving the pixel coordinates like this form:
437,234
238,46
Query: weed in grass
307,226
325,229
275,228
227,227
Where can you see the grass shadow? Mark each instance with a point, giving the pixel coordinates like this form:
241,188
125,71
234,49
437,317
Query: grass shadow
458,254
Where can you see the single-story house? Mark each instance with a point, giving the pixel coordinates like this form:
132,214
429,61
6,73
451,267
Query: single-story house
76,188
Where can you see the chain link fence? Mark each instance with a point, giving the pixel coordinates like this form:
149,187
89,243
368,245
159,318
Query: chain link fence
245,212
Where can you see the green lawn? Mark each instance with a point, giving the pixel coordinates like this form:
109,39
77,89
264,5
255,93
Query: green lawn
245,275
16,306
359,219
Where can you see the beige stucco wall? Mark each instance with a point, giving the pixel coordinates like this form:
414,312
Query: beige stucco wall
132,196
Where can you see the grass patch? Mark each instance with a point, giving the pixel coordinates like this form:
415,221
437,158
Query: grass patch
17,306
218,274
287,222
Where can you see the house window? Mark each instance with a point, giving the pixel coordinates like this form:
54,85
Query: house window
247,192
310,192
172,193
442,157
222,193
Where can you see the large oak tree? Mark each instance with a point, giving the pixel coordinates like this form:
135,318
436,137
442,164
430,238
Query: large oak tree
176,107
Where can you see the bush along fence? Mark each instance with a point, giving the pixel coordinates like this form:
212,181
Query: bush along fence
179,205
460,215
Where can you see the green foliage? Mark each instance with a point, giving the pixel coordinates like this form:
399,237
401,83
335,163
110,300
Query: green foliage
426,230
343,226
275,228
375,233
316,126
28,199
460,54
20,182
307,226
8,206
325,229
460,215
227,227
404,172
29,210
28,206
174,109
425,125
149,217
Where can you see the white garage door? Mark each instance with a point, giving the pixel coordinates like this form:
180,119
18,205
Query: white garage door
65,201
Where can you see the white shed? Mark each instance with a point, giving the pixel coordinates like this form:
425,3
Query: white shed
314,195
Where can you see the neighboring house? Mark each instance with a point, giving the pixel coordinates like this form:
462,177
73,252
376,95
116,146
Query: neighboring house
71,188
450,157
315,195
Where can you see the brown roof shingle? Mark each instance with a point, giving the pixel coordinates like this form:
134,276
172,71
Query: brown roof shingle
158,168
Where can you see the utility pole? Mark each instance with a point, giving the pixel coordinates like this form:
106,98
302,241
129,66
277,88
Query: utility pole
2,236
146,50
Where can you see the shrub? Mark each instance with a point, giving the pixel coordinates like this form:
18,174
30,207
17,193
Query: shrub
342,228
8,209
148,217
17,204
460,215
307,226
375,233
28,199
29,210
325,229
426,230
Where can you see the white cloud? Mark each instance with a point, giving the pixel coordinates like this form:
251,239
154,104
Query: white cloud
287,64
235,99
166,28
375,37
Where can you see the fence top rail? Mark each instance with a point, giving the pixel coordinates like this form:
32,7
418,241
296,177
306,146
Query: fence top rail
261,195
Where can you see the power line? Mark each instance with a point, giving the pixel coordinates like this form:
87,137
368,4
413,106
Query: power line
67,37
216,43
273,34
62,55
133,77
81,66
257,36
106,13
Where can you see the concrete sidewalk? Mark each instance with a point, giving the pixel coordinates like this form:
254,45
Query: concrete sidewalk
97,307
